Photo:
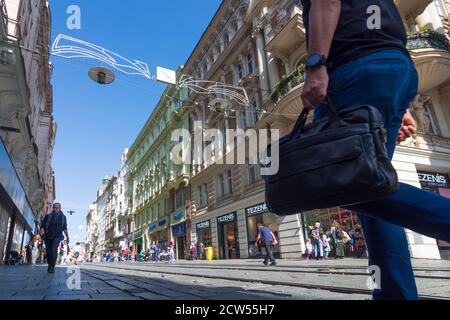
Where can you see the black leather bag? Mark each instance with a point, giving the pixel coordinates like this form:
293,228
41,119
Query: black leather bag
337,161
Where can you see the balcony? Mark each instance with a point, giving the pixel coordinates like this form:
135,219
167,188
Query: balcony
286,94
431,54
411,8
289,38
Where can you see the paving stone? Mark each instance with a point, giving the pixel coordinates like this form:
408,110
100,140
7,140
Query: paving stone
72,297
121,285
106,297
151,296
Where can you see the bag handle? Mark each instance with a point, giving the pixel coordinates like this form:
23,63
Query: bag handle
301,121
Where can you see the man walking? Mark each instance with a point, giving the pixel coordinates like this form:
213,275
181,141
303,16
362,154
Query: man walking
52,228
357,56
268,240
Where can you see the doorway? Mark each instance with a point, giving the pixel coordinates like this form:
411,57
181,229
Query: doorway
228,241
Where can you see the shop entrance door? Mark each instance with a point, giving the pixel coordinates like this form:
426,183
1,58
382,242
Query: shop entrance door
229,246
180,247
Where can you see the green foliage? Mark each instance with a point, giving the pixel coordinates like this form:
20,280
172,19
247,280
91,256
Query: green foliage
288,82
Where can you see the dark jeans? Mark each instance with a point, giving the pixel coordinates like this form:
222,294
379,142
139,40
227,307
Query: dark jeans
388,81
51,249
269,252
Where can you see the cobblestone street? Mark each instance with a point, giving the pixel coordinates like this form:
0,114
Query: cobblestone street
216,280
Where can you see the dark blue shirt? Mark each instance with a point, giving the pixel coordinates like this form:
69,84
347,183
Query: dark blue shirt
266,234
56,227
356,35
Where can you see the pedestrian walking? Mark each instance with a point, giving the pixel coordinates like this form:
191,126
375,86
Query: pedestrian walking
326,246
64,251
356,60
339,241
35,252
171,252
76,252
154,252
267,239
193,251
201,250
316,235
52,229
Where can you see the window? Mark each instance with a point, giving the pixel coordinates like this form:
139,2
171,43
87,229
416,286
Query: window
220,186
205,69
165,205
240,73
250,64
119,225
225,138
250,116
179,199
226,39
202,194
253,174
229,182
121,189
159,211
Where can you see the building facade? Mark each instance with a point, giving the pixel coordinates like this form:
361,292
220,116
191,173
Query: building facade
158,195
26,106
260,45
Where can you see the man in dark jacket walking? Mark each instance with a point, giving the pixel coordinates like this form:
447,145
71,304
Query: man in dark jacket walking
357,56
52,229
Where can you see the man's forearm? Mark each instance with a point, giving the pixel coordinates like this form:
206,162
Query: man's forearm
66,233
323,20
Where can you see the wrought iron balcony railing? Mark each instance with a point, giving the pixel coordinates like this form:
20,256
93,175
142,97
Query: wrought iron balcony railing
428,40
288,83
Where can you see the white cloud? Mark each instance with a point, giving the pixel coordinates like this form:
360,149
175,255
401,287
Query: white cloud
80,227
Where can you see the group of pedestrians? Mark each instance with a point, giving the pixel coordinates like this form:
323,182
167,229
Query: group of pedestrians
154,253
322,245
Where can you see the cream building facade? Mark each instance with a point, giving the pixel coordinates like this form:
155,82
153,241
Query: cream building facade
26,108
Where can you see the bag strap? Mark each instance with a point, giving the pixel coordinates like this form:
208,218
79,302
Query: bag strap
301,121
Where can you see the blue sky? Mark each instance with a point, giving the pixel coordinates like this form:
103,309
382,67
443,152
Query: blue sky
95,123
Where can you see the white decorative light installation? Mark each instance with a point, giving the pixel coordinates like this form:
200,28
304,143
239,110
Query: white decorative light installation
218,89
68,47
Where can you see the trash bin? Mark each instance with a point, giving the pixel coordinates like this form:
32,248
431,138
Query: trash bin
209,253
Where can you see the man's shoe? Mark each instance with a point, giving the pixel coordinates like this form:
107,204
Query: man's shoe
52,270
265,263
273,264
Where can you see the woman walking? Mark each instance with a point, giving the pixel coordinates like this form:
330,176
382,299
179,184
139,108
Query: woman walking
35,251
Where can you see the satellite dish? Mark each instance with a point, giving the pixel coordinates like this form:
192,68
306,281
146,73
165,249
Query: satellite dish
101,75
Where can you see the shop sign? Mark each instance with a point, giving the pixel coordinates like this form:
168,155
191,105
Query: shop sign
178,217
433,179
162,223
203,225
137,234
152,227
257,209
226,218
